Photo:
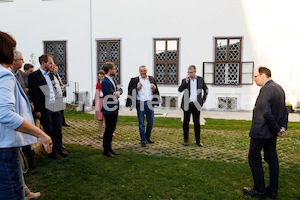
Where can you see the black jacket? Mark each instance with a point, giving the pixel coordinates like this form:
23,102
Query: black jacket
133,85
185,86
35,80
269,113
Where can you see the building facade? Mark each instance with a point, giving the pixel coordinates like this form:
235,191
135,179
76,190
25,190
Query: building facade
225,40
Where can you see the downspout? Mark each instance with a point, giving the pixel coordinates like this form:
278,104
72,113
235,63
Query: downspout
91,46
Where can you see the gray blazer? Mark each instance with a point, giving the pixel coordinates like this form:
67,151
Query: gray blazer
269,113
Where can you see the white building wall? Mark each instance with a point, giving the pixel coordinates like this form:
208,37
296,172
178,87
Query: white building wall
268,38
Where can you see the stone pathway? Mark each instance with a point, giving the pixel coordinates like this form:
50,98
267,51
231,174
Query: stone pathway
224,145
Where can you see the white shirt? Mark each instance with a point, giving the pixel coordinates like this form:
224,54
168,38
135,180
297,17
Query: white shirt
193,90
112,81
57,87
145,92
49,84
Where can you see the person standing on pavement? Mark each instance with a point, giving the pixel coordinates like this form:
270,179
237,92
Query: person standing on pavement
269,121
110,108
42,95
144,92
192,101
99,102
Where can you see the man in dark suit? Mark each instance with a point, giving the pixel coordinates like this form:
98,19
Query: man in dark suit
110,108
270,119
42,95
19,74
143,91
192,101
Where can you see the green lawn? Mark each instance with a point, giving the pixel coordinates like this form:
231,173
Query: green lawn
167,170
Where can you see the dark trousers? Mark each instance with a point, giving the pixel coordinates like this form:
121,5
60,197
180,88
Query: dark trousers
110,126
63,120
51,123
255,162
29,154
186,122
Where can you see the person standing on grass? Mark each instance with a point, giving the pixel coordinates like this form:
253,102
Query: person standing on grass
98,103
42,94
110,108
191,103
16,125
269,121
144,92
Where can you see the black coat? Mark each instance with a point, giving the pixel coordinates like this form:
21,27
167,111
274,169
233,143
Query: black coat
185,86
269,113
35,80
133,85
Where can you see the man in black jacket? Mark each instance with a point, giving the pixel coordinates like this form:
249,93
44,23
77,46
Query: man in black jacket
192,101
143,92
270,119
42,95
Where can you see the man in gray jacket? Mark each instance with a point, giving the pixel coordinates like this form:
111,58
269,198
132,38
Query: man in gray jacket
270,119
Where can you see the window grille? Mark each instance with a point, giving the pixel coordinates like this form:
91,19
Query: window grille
58,50
109,51
169,102
228,68
166,59
229,103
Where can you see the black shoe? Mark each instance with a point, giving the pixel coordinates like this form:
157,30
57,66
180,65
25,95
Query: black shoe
114,153
254,193
270,194
63,153
143,144
108,154
150,141
66,125
53,156
32,167
199,144
186,143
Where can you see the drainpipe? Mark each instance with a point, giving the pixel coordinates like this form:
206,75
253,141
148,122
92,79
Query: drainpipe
91,45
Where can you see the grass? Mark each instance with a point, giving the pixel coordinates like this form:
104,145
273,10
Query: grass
165,170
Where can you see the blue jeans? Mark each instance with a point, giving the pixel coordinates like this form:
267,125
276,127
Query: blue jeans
11,177
143,110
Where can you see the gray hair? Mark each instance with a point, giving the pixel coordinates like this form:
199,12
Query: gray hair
18,53
192,67
142,66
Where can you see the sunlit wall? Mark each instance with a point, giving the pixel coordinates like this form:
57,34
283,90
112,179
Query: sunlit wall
274,29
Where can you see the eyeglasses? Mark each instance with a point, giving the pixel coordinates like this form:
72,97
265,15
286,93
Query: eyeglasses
256,75
20,59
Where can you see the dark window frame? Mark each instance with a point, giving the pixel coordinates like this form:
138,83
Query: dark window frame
245,72
166,62
57,62
118,63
